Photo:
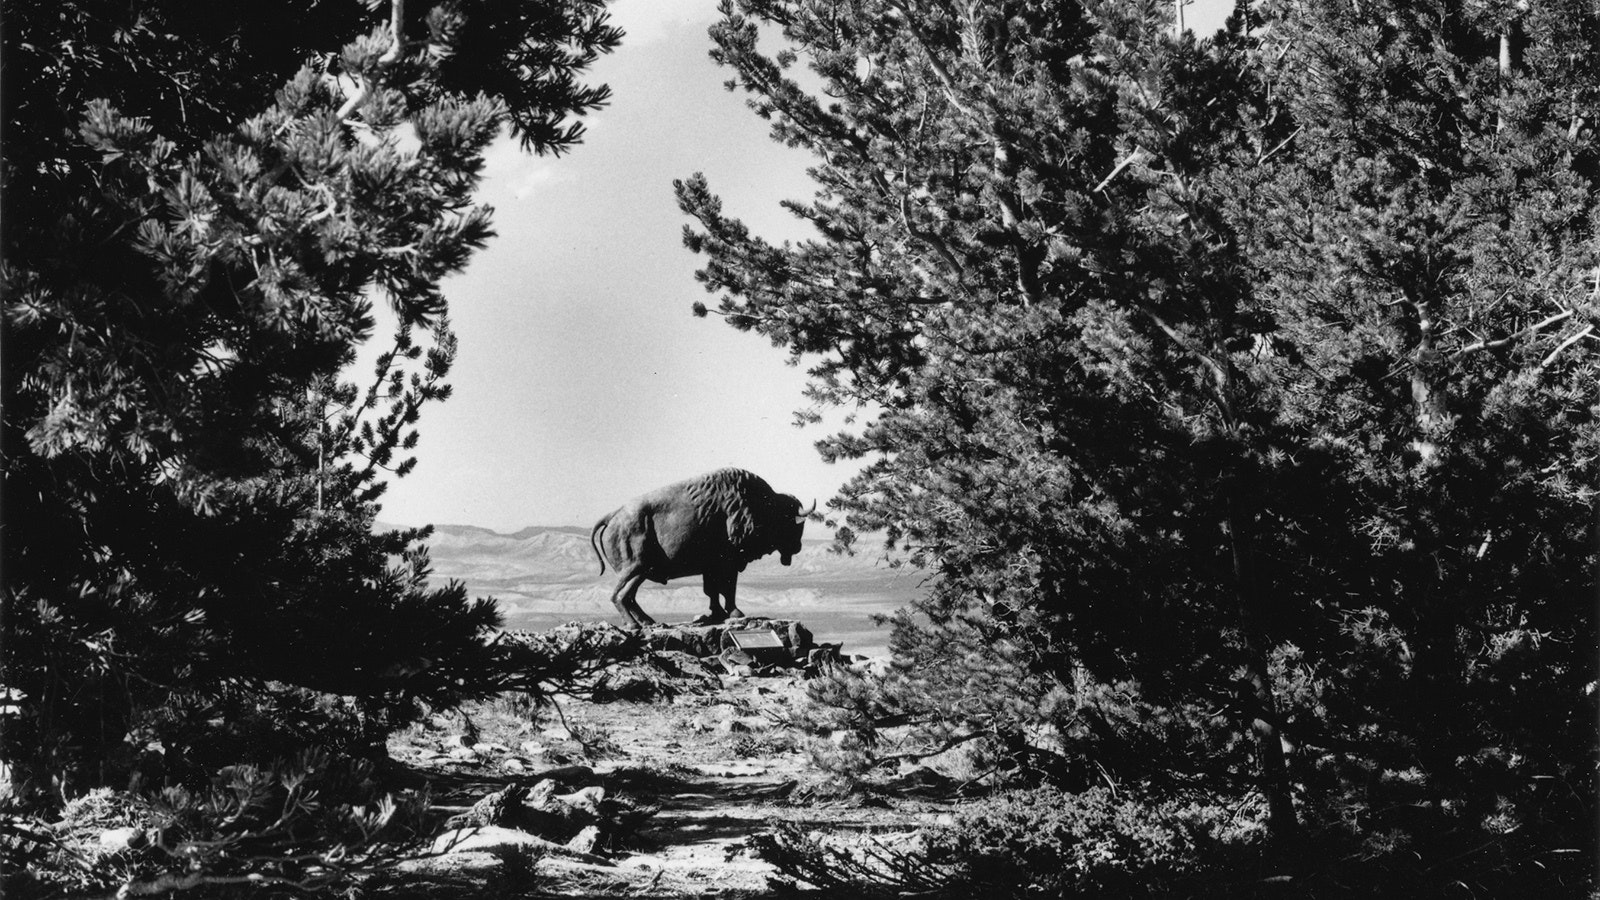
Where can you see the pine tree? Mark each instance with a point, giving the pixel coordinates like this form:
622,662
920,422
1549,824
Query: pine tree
201,206
1021,262
1239,394
1425,235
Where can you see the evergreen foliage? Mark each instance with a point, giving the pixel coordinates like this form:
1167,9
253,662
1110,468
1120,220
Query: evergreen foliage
203,201
1240,393
312,822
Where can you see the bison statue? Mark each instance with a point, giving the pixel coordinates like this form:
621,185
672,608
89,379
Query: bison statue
712,526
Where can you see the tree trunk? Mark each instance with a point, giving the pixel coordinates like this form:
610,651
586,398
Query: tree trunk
1427,395
1263,711
1262,707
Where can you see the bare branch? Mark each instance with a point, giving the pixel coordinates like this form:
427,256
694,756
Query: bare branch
939,69
932,240
1270,153
1585,332
1187,345
1491,345
397,21
919,755
397,16
1127,161
171,883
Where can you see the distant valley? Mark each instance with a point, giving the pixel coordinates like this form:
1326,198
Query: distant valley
544,576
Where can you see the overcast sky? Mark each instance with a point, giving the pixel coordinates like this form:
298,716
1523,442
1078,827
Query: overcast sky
583,379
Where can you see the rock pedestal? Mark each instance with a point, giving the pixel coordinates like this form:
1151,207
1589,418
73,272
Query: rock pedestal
745,646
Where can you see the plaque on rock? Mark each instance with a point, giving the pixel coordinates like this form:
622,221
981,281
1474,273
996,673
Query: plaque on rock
747,640
762,646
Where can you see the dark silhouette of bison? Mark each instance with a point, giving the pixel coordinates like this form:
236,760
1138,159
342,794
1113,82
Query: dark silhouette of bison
714,526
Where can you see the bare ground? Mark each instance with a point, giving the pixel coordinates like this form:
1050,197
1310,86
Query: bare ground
718,766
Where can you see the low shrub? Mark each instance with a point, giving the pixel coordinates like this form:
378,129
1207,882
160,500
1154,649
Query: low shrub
1096,843
753,745
316,821
1036,843
594,740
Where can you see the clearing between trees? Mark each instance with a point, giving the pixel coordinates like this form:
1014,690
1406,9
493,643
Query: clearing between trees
663,796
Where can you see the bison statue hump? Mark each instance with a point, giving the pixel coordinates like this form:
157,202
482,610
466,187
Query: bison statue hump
712,526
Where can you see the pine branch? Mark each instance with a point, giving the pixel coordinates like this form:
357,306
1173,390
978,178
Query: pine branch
1281,144
932,240
1220,373
1513,338
172,883
364,85
940,70
1127,161
918,755
1010,214
1583,333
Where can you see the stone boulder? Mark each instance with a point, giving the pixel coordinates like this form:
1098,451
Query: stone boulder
583,820
743,646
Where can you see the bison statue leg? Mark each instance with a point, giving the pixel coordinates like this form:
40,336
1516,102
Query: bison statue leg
730,587
720,584
623,598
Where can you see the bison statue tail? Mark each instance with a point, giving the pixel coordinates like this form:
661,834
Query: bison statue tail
593,545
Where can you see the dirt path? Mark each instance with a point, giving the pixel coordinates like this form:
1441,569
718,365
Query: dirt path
717,767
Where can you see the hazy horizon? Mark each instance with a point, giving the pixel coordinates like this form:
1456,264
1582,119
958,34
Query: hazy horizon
542,576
